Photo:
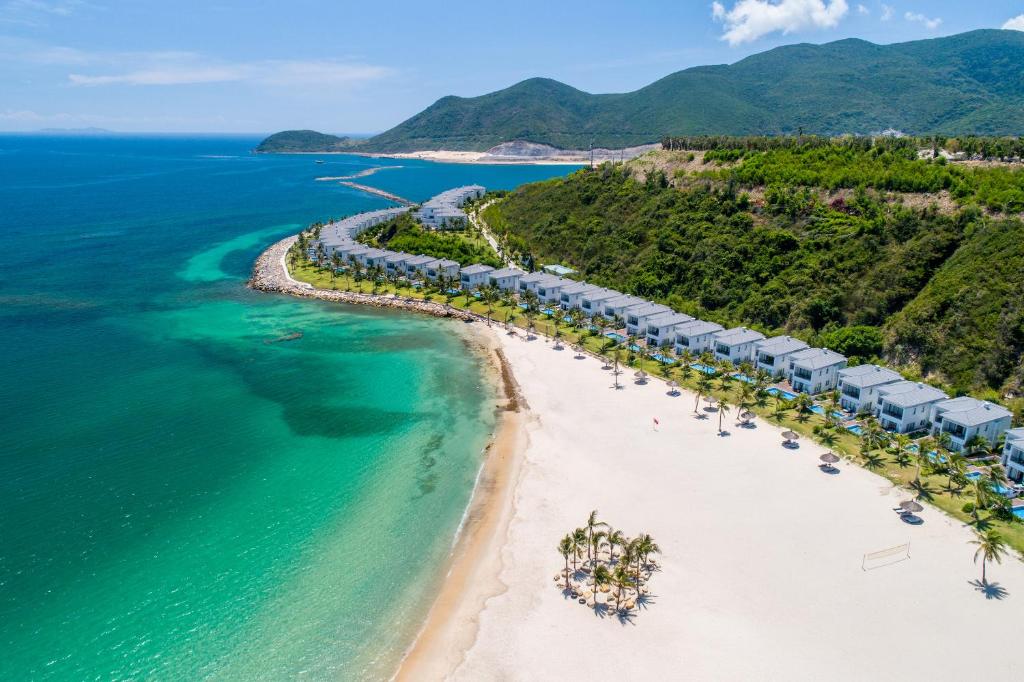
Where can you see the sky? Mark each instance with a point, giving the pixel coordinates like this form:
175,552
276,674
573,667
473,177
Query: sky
352,66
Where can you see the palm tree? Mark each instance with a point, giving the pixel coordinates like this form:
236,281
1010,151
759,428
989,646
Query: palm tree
991,547
704,386
803,403
976,444
646,546
565,548
725,379
622,581
956,468
579,543
598,323
592,523
723,408
602,576
615,538
596,543
982,494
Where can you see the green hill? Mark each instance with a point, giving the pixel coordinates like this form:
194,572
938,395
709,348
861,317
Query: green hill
970,83
813,242
296,141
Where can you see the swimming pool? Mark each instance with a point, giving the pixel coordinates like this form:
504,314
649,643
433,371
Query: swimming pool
663,359
785,394
973,475
744,378
1019,512
547,311
855,429
617,338
703,368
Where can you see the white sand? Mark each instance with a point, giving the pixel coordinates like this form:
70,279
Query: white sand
762,553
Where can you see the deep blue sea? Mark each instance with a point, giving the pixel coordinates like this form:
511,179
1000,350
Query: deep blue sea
182,494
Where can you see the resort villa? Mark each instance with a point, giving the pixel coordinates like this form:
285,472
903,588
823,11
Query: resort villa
964,418
506,279
661,328
772,354
592,303
548,290
637,316
442,267
531,280
858,386
815,370
444,211
615,308
1013,455
355,255
695,336
394,262
374,258
474,276
906,406
572,295
417,264
736,345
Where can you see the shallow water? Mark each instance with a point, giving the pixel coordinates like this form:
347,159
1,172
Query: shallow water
183,493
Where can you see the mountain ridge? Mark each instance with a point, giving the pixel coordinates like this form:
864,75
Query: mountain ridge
968,83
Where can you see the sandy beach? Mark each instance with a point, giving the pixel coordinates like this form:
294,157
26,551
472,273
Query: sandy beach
762,554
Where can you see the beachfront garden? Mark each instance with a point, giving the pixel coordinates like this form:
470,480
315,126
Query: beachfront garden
966,488
601,578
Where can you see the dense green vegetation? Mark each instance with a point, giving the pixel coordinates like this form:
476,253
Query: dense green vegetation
761,243
405,234
967,83
293,141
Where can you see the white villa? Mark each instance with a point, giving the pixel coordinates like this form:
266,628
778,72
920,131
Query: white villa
475,276
548,290
1013,455
906,406
858,386
506,279
531,280
345,231
815,370
964,418
441,267
637,316
355,254
572,295
394,262
616,307
661,328
417,264
772,354
373,258
444,211
593,303
695,336
736,344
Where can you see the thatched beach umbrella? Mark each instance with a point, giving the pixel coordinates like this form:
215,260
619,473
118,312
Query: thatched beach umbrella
711,400
641,377
673,388
790,436
911,506
746,416
829,458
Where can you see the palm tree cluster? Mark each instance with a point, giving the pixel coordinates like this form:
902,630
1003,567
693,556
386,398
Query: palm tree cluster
605,561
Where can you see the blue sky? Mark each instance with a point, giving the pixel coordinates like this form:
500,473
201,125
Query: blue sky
358,66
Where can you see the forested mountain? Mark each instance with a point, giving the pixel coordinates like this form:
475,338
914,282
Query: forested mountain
971,83
865,249
292,141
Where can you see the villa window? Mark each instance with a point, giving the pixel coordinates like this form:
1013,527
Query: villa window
802,373
722,350
851,391
893,411
683,341
955,430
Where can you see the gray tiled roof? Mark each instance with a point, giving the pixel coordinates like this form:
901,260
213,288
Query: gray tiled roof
738,335
907,393
697,328
969,411
476,269
816,358
864,376
506,272
668,319
780,345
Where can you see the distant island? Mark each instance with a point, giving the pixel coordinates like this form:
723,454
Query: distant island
76,131
969,83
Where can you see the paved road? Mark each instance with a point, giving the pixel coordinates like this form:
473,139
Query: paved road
481,225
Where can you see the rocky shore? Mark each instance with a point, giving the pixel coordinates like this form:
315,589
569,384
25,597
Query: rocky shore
270,273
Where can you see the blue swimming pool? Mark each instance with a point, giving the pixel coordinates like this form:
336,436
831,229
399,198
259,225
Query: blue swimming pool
663,359
703,368
855,429
973,475
1019,512
744,378
617,338
548,311
785,394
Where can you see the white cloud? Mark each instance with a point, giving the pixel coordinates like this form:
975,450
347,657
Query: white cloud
187,69
930,24
862,10
1015,24
751,19
886,12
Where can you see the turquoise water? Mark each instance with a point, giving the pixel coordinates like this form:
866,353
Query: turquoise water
182,493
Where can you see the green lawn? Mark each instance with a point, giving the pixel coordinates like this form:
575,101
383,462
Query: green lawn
933,487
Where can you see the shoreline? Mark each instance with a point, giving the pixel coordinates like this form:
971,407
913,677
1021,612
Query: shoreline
472,572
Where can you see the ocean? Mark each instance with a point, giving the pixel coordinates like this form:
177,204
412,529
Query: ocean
184,493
